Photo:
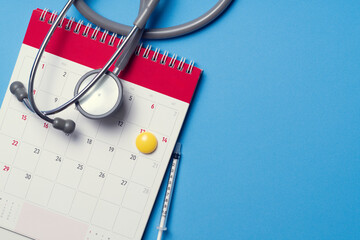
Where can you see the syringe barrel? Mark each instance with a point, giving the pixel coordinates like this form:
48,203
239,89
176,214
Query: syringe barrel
170,187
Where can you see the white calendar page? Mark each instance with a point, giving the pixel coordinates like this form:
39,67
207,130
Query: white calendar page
92,184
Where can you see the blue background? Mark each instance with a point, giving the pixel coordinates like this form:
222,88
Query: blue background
271,146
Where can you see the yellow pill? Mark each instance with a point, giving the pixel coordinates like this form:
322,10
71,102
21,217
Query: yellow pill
146,142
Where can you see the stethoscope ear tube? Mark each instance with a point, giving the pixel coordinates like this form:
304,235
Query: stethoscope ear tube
37,61
159,33
145,13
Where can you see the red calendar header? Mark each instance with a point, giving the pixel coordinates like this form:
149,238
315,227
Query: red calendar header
94,53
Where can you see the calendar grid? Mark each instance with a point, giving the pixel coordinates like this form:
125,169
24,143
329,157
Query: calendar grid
77,161
95,176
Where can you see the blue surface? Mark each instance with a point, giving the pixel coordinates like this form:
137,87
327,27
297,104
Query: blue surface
271,145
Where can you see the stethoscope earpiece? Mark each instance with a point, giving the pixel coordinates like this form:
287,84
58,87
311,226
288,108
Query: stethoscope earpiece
18,89
67,126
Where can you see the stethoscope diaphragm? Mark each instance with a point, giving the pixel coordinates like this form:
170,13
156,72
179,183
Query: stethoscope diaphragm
103,99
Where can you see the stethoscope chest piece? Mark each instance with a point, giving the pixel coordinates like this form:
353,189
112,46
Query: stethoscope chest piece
103,99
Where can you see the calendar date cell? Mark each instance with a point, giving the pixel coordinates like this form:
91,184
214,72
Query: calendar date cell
49,165
110,130
127,222
35,131
105,214
61,198
53,80
39,191
70,173
79,148
101,155
145,171
83,206
123,163
92,181
14,123
18,182
136,197
27,157
8,148
114,189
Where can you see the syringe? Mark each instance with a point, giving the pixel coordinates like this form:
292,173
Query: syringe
169,191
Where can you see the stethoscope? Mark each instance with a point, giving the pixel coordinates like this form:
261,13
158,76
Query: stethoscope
99,99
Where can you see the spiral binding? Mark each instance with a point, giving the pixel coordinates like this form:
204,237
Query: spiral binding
69,24
103,36
62,21
156,55
147,51
80,28
43,14
112,39
137,52
164,57
95,33
120,41
86,30
52,17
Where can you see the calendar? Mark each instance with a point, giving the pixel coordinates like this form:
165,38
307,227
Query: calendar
92,184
